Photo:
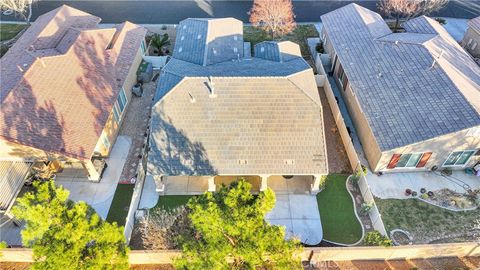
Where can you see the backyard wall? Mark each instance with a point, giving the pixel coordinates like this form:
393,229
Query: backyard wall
314,255
374,213
137,193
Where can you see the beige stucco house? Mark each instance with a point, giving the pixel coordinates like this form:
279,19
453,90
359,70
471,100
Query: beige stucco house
220,113
414,97
471,40
65,86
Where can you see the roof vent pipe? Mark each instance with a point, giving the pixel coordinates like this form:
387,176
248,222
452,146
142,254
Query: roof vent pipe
192,99
211,87
435,59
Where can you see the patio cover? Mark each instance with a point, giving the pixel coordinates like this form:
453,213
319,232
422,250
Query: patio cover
12,176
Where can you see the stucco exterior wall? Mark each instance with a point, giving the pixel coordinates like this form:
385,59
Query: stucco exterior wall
441,147
111,127
473,35
365,134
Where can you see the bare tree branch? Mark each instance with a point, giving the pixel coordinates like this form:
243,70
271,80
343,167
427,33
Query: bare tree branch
274,16
22,7
407,9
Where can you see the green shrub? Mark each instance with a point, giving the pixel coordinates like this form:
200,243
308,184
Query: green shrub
374,238
424,196
319,48
366,207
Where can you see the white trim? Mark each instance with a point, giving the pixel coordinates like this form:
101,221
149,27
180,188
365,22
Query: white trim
462,165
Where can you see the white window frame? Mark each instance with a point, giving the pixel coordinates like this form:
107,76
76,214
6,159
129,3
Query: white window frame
411,154
143,46
116,116
104,139
462,165
120,97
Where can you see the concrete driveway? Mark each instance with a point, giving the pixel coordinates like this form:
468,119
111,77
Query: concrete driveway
100,195
300,216
296,208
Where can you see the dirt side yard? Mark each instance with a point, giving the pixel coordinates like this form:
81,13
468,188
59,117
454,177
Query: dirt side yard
337,155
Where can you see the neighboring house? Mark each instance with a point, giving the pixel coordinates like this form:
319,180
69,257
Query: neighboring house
414,97
65,85
220,112
471,40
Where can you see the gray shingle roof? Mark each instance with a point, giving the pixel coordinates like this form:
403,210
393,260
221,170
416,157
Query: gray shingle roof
252,126
265,119
475,23
209,41
277,51
403,97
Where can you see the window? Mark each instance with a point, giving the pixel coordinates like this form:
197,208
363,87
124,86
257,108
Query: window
459,158
122,100
410,160
143,46
116,115
105,141
474,45
342,77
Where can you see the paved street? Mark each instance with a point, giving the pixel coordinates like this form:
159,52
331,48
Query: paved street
173,11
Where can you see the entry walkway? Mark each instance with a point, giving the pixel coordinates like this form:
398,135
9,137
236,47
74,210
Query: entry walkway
100,195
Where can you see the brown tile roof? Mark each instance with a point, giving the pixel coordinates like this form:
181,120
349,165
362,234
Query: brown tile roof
59,82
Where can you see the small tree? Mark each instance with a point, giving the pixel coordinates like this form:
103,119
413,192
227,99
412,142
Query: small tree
22,7
406,9
273,16
160,41
68,235
231,233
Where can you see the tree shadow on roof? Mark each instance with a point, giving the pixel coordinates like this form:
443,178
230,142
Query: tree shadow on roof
26,122
173,153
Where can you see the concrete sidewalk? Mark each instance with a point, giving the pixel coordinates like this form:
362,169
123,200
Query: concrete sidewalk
100,195
393,185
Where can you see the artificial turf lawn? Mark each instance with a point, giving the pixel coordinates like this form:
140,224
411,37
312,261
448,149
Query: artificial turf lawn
170,202
9,31
121,202
338,218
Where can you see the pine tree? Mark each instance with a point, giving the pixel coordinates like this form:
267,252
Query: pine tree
68,235
231,233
